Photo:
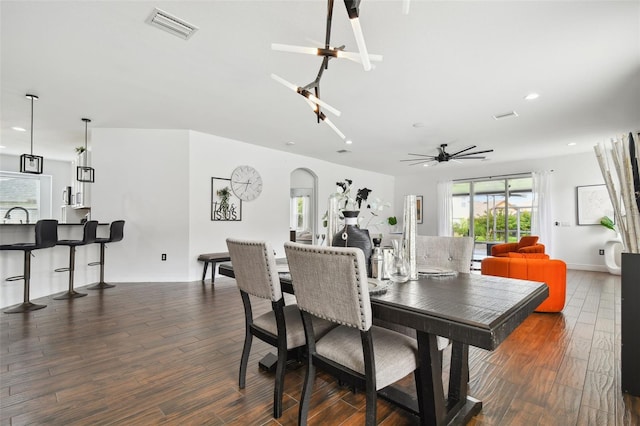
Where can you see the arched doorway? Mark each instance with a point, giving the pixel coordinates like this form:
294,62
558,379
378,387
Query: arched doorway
303,199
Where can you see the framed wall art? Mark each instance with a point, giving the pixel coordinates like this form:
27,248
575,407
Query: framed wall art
225,206
592,203
419,209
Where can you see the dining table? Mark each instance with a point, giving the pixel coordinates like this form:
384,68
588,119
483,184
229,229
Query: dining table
468,309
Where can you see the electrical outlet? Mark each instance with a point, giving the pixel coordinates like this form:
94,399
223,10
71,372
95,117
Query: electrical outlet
601,252
164,256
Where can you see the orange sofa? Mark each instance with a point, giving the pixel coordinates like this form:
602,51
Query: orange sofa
533,267
528,244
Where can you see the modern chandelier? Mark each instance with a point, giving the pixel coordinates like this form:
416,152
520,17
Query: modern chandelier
30,163
311,91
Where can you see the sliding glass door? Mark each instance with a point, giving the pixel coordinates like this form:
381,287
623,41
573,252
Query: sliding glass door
493,210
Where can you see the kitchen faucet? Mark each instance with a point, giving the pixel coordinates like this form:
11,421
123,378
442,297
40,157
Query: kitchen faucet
8,214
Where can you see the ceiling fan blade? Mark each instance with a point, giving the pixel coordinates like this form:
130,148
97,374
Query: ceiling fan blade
474,153
461,151
418,159
423,155
464,157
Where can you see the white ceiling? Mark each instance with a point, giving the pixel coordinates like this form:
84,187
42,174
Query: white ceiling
450,65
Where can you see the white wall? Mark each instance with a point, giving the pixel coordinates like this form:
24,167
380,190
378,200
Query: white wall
142,176
267,217
159,182
577,245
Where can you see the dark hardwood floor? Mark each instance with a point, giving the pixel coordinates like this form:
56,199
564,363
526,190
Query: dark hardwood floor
168,353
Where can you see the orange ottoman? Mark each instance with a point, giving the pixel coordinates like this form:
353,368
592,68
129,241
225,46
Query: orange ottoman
553,272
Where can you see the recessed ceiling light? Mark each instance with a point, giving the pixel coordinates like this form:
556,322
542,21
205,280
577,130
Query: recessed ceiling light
425,165
2,146
19,129
348,141
532,96
291,143
572,144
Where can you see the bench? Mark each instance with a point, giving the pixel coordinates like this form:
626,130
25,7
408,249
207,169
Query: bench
212,258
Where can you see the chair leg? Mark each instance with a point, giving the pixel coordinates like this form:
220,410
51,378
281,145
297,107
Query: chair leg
71,293
372,407
101,285
245,358
26,305
307,390
278,389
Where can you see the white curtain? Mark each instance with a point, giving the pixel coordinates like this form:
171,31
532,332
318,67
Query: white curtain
541,221
445,208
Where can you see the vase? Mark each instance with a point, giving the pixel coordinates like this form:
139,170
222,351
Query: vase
352,236
409,234
397,264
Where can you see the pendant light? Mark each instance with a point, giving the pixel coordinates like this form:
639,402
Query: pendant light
30,163
85,173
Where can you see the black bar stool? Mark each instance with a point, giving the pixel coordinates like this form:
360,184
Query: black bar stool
116,233
46,236
88,237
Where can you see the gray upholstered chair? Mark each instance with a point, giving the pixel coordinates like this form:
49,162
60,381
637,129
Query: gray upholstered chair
453,253
331,283
255,271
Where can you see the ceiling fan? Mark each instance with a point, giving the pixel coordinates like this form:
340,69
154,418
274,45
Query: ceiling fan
444,156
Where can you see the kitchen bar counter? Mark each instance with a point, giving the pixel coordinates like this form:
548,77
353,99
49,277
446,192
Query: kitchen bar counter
44,281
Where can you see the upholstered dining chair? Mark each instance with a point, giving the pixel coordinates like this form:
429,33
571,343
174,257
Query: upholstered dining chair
255,272
331,283
453,253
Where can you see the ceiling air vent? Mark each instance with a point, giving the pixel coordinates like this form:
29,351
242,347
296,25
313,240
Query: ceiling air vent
343,151
171,24
505,115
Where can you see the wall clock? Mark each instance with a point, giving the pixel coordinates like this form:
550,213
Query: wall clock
246,183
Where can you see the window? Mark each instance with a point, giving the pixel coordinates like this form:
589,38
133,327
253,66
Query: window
21,197
493,210
300,216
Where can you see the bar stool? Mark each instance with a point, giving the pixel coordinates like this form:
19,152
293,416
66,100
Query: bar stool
116,233
88,237
46,233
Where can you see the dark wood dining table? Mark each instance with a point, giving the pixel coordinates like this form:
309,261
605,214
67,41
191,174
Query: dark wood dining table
469,309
